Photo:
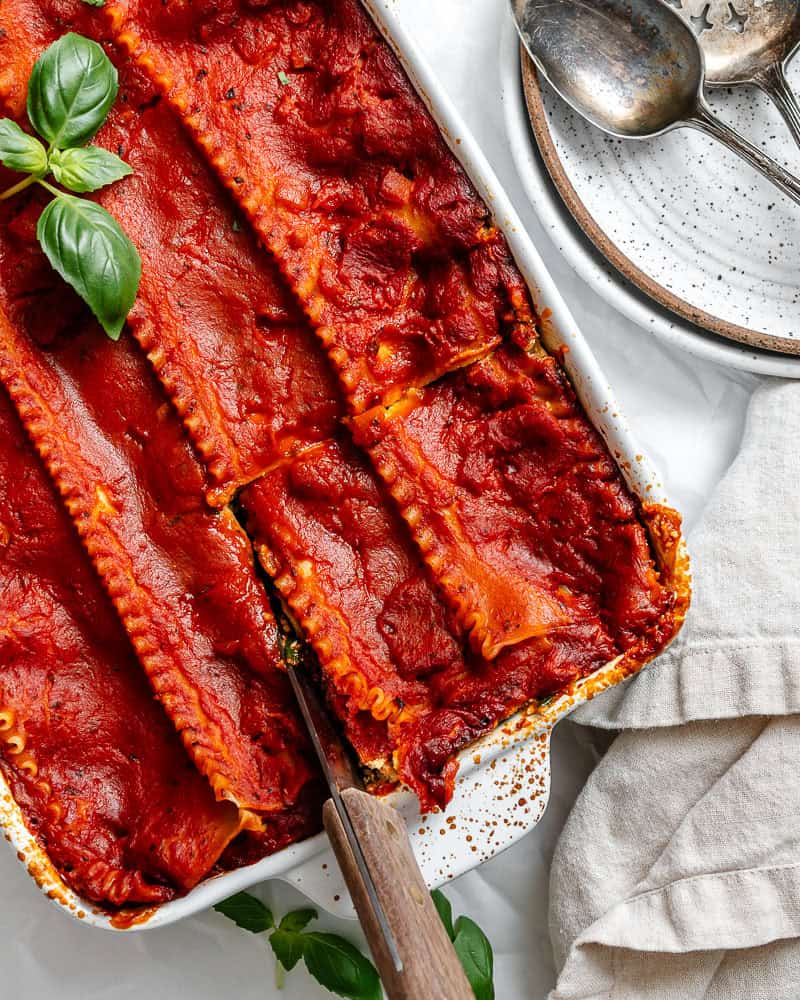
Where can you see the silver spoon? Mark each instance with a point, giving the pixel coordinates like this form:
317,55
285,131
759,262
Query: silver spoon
633,68
749,41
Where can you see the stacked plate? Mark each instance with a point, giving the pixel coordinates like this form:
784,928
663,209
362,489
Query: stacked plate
676,232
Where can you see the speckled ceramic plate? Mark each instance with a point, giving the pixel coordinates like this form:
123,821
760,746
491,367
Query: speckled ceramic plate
679,217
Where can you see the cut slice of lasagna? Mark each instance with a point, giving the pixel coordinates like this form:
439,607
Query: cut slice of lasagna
395,660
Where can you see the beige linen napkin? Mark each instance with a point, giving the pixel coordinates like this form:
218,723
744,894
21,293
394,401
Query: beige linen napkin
677,875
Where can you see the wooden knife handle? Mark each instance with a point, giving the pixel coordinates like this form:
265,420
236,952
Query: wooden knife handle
431,968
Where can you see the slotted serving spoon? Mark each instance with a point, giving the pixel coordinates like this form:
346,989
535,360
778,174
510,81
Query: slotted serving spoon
633,68
749,41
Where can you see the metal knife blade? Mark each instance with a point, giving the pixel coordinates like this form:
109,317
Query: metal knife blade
340,773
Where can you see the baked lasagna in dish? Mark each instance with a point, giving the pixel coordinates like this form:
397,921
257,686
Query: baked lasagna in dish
331,431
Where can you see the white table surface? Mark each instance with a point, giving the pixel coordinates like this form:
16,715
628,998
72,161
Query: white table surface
687,413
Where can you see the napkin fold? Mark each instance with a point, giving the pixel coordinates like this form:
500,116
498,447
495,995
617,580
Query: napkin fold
677,875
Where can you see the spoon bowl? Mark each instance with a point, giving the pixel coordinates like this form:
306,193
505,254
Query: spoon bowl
633,68
749,42
631,72
739,43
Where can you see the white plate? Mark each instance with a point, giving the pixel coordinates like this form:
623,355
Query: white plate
504,782
664,242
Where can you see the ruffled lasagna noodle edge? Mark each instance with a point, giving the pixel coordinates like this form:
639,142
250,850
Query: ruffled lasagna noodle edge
204,745
310,613
205,432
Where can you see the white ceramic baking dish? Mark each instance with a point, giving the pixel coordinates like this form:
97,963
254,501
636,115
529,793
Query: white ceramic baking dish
504,781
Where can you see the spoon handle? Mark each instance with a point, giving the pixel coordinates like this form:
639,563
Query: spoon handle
773,82
705,121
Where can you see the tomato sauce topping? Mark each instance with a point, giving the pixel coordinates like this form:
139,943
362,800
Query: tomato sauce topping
181,576
90,757
523,563
519,510
309,118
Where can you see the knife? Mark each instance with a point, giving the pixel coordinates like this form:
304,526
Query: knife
409,944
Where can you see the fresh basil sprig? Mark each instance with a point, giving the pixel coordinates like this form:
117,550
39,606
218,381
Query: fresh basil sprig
89,250
445,911
472,947
247,912
333,961
338,965
71,89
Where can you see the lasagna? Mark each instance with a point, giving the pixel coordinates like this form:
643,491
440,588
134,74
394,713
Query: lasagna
331,427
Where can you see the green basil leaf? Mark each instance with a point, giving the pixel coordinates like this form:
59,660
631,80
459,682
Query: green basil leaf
87,168
297,920
288,947
90,252
290,649
246,912
340,967
95,3
445,911
20,151
475,954
71,89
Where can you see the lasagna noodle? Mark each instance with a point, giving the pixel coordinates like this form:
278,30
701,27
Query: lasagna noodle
344,568
91,758
519,510
181,576
301,820
394,659
227,340
310,120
